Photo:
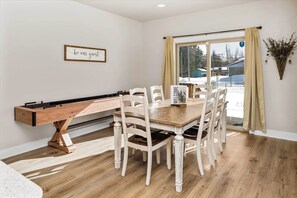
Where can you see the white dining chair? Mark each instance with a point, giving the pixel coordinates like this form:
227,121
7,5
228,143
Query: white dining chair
220,105
200,91
196,136
141,138
143,92
157,93
138,91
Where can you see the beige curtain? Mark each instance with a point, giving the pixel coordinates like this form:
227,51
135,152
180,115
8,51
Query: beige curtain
168,67
254,112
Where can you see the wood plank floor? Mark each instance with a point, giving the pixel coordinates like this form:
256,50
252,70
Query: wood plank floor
250,166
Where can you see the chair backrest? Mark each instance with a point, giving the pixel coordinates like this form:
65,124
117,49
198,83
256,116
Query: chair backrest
157,93
136,115
219,107
139,92
200,91
207,114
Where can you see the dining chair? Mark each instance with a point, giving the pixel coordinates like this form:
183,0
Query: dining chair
200,91
141,137
140,92
196,136
143,92
220,105
157,93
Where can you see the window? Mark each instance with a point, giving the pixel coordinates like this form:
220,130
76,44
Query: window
192,64
219,63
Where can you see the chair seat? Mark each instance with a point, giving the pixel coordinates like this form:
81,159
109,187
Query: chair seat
156,130
156,139
191,133
197,125
171,133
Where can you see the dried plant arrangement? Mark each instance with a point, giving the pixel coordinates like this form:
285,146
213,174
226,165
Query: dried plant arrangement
281,50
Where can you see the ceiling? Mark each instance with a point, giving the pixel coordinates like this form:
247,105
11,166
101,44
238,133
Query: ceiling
146,10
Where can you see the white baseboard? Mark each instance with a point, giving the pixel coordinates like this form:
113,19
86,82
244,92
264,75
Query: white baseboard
5,153
276,134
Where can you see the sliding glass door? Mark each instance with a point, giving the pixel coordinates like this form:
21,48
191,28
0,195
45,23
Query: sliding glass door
219,63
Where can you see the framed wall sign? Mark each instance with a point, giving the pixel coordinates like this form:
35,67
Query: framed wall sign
87,54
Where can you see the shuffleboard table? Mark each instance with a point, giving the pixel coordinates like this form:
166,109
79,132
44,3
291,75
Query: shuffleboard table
61,113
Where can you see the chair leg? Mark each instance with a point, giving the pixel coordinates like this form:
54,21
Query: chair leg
172,142
212,146
168,149
210,151
149,168
199,160
126,151
158,156
144,156
224,136
220,139
133,151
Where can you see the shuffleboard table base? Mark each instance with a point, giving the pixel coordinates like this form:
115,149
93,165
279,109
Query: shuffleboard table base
67,149
61,139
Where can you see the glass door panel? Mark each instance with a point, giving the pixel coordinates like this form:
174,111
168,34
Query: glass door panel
192,64
227,71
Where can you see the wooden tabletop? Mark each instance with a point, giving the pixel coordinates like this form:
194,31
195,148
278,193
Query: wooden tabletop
163,113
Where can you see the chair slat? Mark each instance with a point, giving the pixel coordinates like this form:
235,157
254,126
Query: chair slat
157,93
137,121
136,131
135,110
137,90
133,98
201,90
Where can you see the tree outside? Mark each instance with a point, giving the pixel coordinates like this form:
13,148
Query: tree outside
191,58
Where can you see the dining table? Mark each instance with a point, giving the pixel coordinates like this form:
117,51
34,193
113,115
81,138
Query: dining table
167,117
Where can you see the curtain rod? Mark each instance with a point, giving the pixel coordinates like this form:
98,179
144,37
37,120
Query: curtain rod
224,31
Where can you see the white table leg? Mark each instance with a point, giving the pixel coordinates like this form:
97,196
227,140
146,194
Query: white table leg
179,159
224,125
117,129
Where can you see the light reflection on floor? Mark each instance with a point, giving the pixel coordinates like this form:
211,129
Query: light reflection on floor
30,167
49,165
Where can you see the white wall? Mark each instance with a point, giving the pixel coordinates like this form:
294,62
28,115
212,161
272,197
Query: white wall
278,19
33,34
1,74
